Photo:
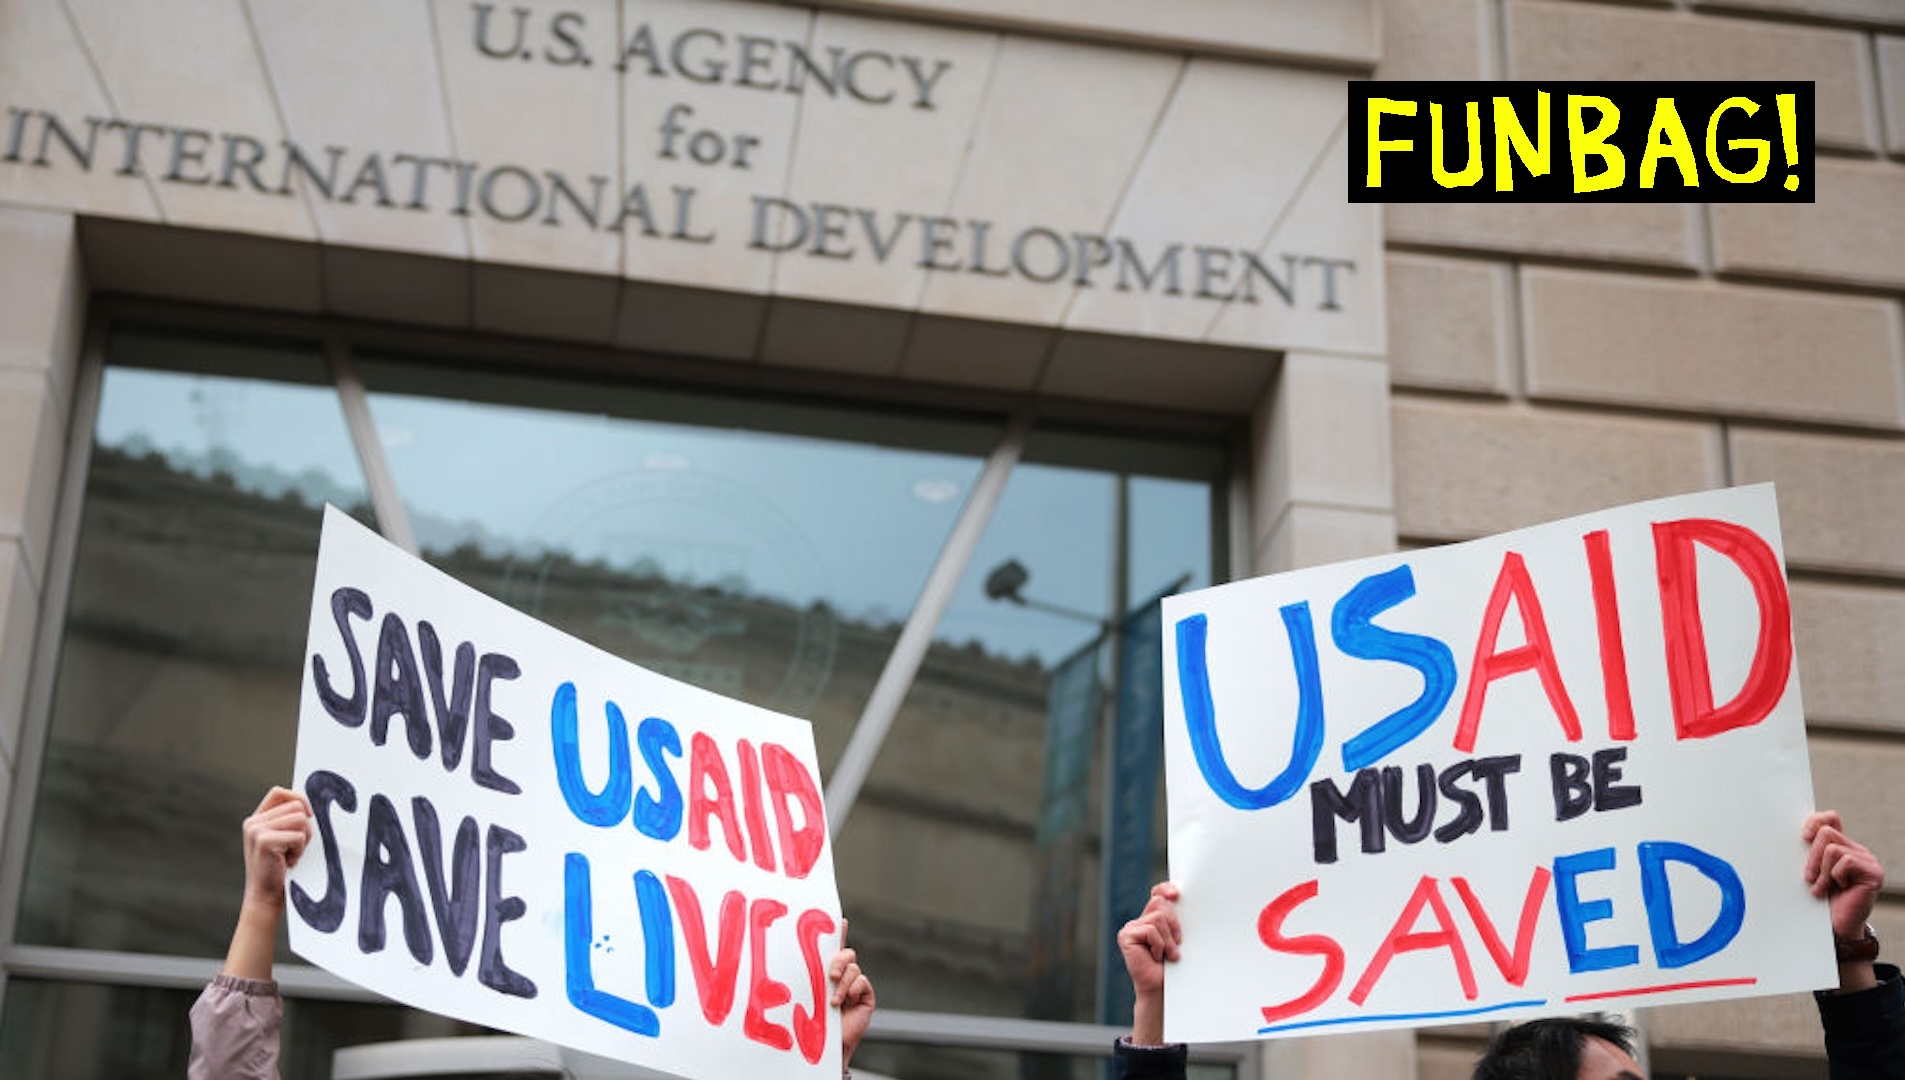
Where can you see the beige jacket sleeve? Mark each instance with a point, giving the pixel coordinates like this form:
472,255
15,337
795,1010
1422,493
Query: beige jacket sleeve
235,1030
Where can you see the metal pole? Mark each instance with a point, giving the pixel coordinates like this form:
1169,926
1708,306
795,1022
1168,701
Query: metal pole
843,788
385,501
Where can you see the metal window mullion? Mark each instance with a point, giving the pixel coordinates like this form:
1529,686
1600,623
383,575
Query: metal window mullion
385,501
843,787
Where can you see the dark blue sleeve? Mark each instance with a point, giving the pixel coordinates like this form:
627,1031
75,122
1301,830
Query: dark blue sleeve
1165,1062
1865,1031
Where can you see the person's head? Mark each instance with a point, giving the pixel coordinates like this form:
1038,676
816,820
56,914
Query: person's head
1561,1048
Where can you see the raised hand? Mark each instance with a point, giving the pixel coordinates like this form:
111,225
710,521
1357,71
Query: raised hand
853,993
1146,943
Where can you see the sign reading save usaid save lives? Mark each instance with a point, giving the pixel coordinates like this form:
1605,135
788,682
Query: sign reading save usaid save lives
517,829
1557,770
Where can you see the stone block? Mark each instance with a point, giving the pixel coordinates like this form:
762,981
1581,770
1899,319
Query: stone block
1437,39
1728,1034
706,119
1471,469
1306,459
887,160
1244,139
1859,778
1338,30
1849,639
194,67
1159,374
1377,1055
1859,12
1853,235
32,449
967,352
1574,41
43,70
1703,347
1892,90
1447,1061
19,624
548,104
43,295
545,303
1314,535
690,322
1330,250
1645,234
1449,324
232,269
1061,163
834,337
390,103
399,287
1842,499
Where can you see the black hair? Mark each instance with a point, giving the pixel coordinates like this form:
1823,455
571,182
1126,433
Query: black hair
1547,1049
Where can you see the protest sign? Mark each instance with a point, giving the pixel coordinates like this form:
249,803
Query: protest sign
517,829
1557,770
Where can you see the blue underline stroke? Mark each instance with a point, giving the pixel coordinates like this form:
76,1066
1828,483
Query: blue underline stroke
1398,1016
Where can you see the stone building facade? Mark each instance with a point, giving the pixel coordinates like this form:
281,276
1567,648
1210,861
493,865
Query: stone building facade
1116,222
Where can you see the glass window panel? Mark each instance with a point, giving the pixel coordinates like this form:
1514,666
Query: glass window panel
96,1031
971,866
175,700
767,551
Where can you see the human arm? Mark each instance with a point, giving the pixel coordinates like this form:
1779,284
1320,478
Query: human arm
1147,943
1864,1018
1848,877
275,835
236,1020
853,994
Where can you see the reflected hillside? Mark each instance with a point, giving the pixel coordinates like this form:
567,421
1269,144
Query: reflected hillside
177,694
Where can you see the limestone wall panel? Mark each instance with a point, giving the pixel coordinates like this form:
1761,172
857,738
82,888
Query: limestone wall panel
391,104
1061,165
1854,234
192,65
1700,347
1471,469
1449,323
744,137
548,104
44,70
1841,499
1200,184
1436,39
1645,234
1849,639
859,166
1566,40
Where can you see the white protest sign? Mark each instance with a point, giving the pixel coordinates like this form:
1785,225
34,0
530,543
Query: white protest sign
517,829
1557,770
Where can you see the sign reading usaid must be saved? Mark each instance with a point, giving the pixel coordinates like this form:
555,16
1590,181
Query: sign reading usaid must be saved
1551,771
749,146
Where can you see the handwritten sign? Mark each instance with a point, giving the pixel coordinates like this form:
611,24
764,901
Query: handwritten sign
517,829
1556,770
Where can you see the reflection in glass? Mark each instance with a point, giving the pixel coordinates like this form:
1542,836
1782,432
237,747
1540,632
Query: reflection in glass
175,702
972,865
95,1031
764,551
